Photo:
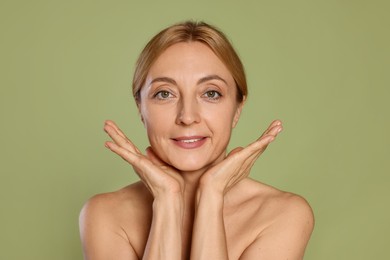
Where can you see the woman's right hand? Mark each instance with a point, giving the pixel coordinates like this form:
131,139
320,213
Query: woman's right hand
160,178
167,188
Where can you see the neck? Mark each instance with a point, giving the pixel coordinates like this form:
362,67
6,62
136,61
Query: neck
192,178
191,184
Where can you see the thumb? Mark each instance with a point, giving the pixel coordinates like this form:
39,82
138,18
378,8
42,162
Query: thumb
234,151
152,156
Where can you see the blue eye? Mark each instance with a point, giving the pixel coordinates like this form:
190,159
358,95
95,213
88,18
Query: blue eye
163,94
212,94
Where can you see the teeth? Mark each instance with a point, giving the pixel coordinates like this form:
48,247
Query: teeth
191,140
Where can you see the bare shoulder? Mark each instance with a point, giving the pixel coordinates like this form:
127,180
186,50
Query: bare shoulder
284,220
106,218
278,204
113,205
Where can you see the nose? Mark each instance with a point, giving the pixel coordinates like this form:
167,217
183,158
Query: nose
188,112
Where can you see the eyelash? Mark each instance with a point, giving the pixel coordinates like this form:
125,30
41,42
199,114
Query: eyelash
158,95
219,95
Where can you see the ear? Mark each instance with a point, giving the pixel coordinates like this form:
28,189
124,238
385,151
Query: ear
238,112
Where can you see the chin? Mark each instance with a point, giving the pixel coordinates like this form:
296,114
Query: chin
189,163
188,166
194,162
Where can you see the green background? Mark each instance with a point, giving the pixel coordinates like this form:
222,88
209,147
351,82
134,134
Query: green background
320,66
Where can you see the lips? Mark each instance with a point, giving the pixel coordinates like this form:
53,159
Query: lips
189,142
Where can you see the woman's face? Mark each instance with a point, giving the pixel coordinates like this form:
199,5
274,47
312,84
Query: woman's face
188,106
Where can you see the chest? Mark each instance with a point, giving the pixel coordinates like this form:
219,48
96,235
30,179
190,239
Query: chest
241,228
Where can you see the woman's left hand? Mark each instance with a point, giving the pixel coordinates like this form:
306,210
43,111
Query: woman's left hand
236,166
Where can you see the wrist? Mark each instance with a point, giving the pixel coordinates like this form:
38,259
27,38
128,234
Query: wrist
209,183
169,199
173,203
210,195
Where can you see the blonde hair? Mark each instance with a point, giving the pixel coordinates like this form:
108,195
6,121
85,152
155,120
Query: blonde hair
190,31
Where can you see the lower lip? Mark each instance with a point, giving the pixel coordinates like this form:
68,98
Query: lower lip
190,145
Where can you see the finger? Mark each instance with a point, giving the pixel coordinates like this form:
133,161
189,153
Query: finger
120,133
275,123
256,148
261,145
140,163
274,131
115,135
119,140
235,150
113,125
128,156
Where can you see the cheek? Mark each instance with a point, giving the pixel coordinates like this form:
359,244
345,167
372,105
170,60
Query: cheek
154,126
158,123
150,116
222,116
220,122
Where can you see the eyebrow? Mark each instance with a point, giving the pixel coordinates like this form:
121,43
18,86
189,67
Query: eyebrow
200,81
163,79
211,77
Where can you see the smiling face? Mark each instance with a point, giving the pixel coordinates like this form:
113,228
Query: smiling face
188,105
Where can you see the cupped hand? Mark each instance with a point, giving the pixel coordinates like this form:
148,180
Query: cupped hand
237,164
159,178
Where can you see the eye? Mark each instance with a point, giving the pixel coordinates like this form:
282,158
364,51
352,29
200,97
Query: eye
212,94
163,94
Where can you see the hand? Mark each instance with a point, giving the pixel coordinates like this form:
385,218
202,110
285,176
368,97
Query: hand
159,178
236,166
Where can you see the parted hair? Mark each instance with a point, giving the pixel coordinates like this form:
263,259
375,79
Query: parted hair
190,31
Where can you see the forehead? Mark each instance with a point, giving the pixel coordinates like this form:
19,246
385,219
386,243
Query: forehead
189,60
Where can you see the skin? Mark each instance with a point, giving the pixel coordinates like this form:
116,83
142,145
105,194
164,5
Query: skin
193,202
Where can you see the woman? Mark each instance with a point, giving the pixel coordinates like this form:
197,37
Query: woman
193,200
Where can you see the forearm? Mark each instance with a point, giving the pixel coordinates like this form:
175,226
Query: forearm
165,236
209,238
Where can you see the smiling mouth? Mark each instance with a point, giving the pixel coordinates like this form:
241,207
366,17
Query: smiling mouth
189,142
